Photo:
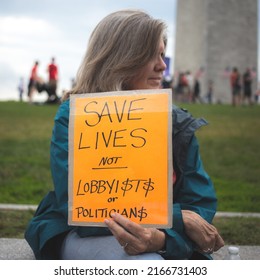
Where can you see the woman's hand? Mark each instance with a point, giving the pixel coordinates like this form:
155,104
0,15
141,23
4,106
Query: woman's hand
201,232
134,238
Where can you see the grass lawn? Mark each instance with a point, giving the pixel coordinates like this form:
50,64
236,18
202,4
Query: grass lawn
229,147
25,132
239,231
230,150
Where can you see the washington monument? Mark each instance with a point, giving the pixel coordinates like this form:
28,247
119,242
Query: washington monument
214,36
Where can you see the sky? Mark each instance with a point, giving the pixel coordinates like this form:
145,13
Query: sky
33,30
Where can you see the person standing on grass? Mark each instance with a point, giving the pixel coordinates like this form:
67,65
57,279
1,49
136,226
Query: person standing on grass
210,92
53,80
126,52
235,81
247,87
32,86
196,92
21,89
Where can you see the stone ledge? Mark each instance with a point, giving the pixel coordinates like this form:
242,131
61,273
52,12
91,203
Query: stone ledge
25,207
245,252
15,249
18,249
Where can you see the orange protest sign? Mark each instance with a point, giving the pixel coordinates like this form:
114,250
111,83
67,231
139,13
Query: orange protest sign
120,157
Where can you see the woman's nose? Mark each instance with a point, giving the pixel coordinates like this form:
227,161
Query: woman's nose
161,65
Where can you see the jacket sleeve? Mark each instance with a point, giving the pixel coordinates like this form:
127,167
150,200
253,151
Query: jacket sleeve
194,191
59,157
50,219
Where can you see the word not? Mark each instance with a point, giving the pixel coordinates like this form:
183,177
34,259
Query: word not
107,213
115,186
108,160
109,163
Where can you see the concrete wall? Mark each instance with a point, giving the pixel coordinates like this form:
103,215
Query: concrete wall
191,34
216,34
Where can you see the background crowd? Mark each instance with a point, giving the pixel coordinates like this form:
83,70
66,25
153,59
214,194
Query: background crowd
186,86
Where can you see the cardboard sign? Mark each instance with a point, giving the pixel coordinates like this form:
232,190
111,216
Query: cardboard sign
120,157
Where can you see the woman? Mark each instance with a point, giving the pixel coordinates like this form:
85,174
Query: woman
126,52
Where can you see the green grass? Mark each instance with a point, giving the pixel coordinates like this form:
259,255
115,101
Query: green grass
14,223
25,132
229,148
239,231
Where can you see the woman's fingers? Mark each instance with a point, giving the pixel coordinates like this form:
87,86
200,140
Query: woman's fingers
128,225
120,232
201,232
120,229
134,238
219,243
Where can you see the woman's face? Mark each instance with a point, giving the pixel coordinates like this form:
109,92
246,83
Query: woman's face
150,76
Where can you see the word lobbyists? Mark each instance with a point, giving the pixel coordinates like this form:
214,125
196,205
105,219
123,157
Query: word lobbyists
95,113
115,187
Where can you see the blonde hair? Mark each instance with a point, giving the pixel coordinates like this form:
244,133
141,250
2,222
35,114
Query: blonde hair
121,44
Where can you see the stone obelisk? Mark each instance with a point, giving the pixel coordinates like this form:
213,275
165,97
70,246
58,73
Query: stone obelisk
215,36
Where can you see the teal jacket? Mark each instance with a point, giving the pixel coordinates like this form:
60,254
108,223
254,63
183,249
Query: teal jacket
192,190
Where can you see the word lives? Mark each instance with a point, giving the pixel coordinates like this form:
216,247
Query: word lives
96,114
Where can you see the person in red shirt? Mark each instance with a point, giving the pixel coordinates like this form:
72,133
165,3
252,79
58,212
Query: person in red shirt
33,81
53,79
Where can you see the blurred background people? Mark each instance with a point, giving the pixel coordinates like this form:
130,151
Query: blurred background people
247,87
21,89
53,81
210,92
196,92
235,81
33,80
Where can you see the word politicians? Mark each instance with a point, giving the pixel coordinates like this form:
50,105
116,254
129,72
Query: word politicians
135,212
